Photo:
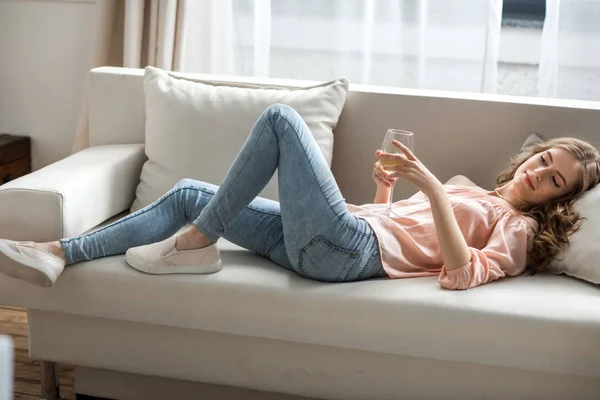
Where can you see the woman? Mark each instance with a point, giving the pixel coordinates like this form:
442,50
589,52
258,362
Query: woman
465,235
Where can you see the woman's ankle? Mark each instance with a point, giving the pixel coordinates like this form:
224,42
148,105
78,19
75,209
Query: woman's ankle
54,248
192,239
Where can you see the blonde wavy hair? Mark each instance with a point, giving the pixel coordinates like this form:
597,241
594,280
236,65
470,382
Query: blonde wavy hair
556,220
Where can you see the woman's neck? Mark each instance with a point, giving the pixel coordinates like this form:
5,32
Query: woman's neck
506,193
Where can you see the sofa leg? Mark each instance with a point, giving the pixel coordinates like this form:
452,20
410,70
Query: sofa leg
50,384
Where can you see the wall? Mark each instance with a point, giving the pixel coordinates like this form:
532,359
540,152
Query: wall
45,55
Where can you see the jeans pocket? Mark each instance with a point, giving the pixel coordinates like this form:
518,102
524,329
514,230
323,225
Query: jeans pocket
324,261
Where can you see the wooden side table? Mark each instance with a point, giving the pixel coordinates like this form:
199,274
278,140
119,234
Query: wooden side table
15,157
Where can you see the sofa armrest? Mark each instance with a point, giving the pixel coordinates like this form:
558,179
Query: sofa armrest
72,195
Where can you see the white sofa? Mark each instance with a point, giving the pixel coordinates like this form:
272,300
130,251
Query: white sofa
255,328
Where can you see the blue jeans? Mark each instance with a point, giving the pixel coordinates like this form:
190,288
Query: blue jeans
309,231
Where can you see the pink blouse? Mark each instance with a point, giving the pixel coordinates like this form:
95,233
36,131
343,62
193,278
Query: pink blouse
496,235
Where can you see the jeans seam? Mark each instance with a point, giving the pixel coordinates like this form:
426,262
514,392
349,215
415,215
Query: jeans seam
362,272
346,270
367,264
364,235
262,210
275,244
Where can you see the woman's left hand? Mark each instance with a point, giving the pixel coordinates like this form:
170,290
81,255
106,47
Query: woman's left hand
408,167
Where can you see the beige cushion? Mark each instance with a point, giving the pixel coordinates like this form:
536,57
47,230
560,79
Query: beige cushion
194,129
251,296
580,259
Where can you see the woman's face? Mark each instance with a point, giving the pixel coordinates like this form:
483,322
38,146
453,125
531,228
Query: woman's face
546,176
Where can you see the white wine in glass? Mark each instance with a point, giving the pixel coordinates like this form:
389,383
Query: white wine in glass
406,138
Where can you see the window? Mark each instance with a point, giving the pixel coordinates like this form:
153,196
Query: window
524,13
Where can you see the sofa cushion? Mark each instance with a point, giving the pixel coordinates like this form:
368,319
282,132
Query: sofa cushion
194,129
544,322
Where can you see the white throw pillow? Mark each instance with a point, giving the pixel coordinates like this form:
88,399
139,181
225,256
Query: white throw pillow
580,259
195,129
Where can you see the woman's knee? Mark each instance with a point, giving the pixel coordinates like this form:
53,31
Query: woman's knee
192,195
279,108
275,112
283,120
187,183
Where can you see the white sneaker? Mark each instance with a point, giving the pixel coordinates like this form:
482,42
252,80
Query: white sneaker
163,258
24,261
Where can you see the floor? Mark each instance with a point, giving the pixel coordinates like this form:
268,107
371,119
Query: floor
13,322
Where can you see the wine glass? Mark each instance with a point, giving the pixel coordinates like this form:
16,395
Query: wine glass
406,138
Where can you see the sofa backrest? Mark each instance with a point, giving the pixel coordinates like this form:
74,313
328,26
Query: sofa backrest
470,134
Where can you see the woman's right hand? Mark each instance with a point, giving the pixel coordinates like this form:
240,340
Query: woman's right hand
381,177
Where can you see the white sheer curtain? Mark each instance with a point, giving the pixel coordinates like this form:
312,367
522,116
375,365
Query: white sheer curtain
570,56
432,44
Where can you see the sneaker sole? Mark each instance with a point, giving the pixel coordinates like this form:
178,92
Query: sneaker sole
16,265
167,270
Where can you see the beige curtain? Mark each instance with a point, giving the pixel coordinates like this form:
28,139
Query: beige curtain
154,33
134,34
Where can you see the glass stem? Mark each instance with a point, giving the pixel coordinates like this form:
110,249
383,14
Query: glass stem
390,198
